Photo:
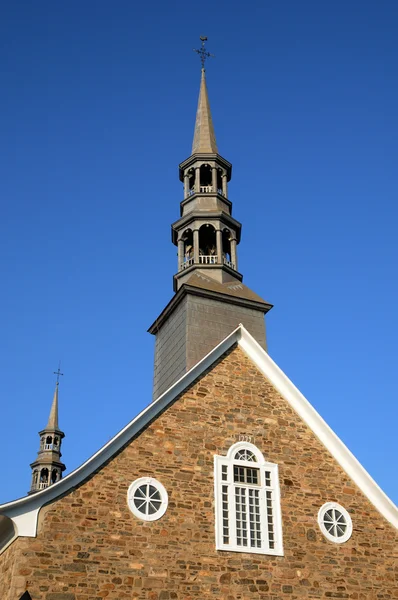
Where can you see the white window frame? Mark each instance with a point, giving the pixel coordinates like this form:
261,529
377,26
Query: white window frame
163,494
228,463
333,538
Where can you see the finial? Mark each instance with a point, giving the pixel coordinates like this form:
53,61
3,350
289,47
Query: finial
204,55
58,373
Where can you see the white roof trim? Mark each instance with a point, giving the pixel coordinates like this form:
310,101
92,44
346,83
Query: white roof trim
32,504
324,433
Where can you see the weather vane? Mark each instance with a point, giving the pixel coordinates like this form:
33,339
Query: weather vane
202,51
58,373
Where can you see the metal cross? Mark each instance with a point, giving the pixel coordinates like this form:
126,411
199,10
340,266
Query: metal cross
58,373
202,51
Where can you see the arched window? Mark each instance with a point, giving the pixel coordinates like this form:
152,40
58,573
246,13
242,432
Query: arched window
35,477
248,514
187,259
26,596
226,247
205,179
44,476
207,245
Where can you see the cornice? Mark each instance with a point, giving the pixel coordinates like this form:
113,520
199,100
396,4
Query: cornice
200,156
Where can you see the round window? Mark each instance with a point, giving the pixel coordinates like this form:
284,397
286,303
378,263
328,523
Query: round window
147,499
335,522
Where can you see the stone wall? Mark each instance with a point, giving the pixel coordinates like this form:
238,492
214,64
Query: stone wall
89,545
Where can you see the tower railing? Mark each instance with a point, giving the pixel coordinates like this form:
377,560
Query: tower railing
205,189
208,259
187,263
229,263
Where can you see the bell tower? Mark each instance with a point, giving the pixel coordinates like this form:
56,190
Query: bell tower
210,300
206,234
48,467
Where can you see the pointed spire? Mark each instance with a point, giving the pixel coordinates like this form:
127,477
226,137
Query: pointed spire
53,418
204,140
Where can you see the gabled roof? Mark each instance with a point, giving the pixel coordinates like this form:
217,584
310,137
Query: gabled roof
24,512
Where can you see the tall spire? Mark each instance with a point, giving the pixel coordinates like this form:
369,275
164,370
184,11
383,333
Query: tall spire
204,140
210,299
53,418
48,467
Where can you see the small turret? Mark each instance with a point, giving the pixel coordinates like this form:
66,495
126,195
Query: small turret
48,468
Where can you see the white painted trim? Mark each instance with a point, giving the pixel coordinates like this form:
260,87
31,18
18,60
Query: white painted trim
163,494
31,504
324,433
286,388
26,523
246,446
262,466
346,515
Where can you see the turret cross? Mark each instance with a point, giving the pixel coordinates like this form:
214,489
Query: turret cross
204,55
58,372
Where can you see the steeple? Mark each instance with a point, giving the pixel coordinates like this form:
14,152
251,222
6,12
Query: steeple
48,467
53,417
210,299
206,234
204,139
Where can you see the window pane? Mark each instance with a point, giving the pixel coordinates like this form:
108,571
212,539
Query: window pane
245,455
270,519
254,518
241,516
224,472
246,475
225,518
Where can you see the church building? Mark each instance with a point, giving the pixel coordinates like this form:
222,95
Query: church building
229,484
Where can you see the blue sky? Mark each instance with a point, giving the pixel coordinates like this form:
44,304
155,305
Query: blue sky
96,112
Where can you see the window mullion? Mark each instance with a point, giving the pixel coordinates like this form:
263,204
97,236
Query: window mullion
263,513
232,511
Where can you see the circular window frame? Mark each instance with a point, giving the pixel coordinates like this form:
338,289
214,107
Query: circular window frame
163,494
346,515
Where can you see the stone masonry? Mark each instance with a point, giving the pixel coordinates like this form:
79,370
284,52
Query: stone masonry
90,546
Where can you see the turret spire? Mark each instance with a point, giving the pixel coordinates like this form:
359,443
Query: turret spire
48,467
53,417
204,140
